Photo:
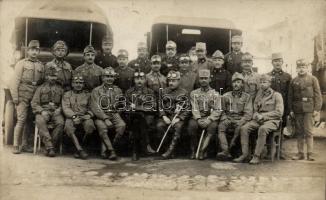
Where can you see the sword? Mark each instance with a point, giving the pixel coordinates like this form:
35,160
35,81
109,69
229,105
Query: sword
200,141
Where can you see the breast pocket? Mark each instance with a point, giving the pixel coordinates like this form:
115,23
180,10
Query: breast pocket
240,106
269,106
28,73
45,97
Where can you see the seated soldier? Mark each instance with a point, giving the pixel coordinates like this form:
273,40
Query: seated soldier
268,111
206,113
46,105
104,99
76,108
237,106
141,101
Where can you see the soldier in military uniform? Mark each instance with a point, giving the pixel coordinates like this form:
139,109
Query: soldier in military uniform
89,70
76,108
142,63
105,58
280,81
221,78
202,61
267,113
154,79
192,54
233,59
46,105
29,73
206,112
170,60
125,74
305,102
251,78
141,100
189,78
173,99
60,51
237,106
104,100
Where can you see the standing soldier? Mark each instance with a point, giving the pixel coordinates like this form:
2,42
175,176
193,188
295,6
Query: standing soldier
267,113
206,112
125,74
89,70
280,81
188,77
104,99
142,102
154,79
170,60
202,61
234,58
172,98
29,73
46,106
221,78
237,106
76,108
105,58
142,63
251,78
305,102
60,51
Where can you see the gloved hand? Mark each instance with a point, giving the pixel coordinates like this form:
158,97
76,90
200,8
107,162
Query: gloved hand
166,120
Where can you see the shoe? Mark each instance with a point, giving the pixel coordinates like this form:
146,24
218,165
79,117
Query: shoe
255,160
149,150
201,155
310,157
224,155
193,156
113,155
240,159
27,149
83,155
134,157
299,156
16,150
50,153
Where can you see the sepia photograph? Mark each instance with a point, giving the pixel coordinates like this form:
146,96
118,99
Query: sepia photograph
163,99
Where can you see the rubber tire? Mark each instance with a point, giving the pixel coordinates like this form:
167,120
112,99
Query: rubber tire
9,119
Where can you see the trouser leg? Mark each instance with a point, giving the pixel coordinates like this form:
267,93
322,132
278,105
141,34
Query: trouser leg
22,111
43,131
58,121
193,131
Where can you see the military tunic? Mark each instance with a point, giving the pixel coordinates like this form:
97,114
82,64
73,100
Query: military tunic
106,60
221,78
232,62
64,72
155,81
91,74
251,83
203,63
125,78
141,65
188,80
169,63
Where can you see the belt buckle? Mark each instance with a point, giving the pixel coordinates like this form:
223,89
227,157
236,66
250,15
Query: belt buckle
304,99
34,83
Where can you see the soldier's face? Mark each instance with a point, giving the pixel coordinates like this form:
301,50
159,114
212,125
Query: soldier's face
170,52
236,46
89,57
108,80
246,64
77,85
237,85
184,65
140,81
204,81
174,83
218,62
142,52
60,52
264,84
107,47
201,53
33,52
123,61
277,63
156,66
302,70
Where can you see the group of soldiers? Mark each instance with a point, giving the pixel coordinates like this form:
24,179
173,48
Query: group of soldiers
160,100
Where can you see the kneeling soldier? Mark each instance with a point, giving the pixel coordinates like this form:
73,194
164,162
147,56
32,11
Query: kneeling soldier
46,105
237,111
103,105
174,100
75,106
141,100
206,111
268,111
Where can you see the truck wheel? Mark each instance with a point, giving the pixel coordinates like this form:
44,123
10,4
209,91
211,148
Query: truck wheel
9,119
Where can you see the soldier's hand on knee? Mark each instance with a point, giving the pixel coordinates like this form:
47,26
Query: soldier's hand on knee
45,115
108,123
166,120
76,120
85,117
176,120
202,123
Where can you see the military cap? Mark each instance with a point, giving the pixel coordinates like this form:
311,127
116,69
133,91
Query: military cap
302,62
265,77
218,54
236,38
89,48
78,78
107,39
173,75
277,55
141,45
200,46
156,58
139,74
51,71
109,71
237,76
184,57
123,53
170,44
34,44
60,45
247,56
204,73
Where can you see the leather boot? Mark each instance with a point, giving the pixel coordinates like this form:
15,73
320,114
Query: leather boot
16,150
255,160
193,144
113,155
202,152
225,154
244,148
300,145
135,153
50,152
169,153
310,156
299,156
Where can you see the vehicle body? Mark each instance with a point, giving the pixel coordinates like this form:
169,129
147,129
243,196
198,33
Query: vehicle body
79,23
